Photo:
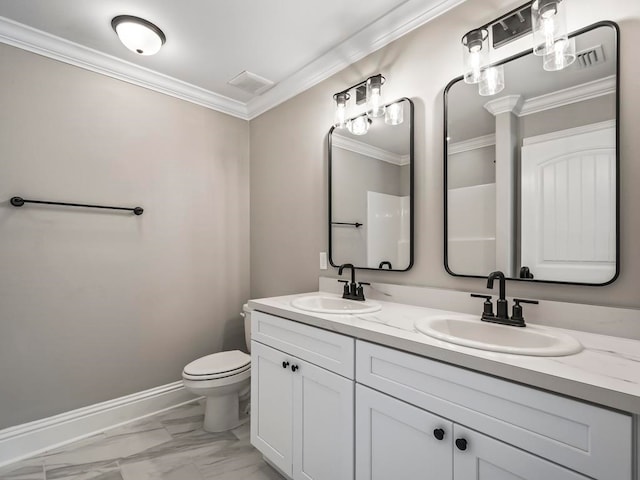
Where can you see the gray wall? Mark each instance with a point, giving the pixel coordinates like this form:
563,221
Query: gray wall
288,161
578,114
473,167
97,305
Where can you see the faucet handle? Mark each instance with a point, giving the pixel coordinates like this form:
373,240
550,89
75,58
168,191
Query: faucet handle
516,314
363,283
487,310
518,301
346,290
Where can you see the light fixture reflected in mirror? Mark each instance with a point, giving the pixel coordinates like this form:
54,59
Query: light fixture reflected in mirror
563,55
138,35
394,114
475,54
491,81
359,125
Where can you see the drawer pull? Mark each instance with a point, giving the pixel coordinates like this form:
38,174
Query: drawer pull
438,433
285,364
461,443
294,368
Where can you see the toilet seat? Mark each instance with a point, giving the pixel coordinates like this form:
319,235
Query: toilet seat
218,365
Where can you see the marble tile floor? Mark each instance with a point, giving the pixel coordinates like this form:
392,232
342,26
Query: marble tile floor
167,446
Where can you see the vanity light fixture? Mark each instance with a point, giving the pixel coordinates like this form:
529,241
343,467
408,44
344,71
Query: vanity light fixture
368,91
546,19
138,35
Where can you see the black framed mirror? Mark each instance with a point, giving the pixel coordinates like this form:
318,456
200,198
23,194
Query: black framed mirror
531,174
371,191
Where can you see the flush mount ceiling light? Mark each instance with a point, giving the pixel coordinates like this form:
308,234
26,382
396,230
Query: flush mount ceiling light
546,19
138,35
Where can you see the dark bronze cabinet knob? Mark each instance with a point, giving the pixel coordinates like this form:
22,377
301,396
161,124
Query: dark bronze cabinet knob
461,443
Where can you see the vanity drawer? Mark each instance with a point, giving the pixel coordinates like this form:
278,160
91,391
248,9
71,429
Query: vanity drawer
328,350
592,440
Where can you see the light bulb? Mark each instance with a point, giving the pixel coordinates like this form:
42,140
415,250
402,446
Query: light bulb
341,109
549,25
375,102
475,54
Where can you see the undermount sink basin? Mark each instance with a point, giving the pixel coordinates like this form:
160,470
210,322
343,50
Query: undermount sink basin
328,304
530,340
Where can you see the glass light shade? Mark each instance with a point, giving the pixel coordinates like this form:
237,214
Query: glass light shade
475,54
375,101
549,23
138,35
394,114
359,125
491,81
563,55
340,120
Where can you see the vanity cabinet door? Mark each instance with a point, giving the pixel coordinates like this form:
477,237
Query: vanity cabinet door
271,405
478,457
322,424
395,440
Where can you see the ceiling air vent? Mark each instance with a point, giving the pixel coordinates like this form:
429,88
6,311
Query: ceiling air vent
590,57
251,83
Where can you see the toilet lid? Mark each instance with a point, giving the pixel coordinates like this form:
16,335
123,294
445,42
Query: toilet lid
222,362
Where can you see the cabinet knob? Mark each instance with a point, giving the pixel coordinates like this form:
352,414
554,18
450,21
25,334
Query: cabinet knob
438,433
461,443
285,364
294,368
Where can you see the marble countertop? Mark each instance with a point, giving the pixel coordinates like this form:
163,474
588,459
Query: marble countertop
606,372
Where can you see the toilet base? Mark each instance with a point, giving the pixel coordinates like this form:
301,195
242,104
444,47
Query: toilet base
222,413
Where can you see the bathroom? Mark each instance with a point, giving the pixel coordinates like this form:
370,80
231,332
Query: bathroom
101,311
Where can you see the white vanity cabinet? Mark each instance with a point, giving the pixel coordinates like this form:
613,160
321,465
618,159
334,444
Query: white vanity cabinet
493,429
302,397
399,441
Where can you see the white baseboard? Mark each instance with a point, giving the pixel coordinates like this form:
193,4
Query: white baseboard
36,437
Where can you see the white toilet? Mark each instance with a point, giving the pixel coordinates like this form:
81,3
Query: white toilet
224,378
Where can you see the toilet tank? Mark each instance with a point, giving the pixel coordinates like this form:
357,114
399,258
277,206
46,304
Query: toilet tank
246,313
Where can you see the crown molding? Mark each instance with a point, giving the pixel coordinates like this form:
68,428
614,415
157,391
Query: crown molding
367,150
405,18
570,132
471,144
36,41
400,21
507,104
567,96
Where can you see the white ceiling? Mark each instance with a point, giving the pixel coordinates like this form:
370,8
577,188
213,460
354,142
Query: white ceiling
293,43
